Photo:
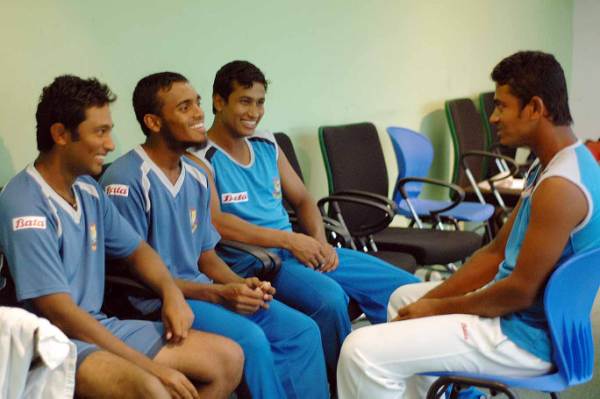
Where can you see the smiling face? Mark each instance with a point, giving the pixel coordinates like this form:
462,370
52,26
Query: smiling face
511,118
86,149
242,111
181,117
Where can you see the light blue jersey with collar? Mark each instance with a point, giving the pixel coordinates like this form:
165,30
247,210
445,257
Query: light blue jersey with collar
52,247
173,218
528,328
251,192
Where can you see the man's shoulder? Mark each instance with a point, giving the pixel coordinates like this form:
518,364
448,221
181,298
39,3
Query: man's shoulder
265,136
125,170
195,170
23,204
22,192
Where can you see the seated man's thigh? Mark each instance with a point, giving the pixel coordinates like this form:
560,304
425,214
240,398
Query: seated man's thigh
104,375
408,294
309,291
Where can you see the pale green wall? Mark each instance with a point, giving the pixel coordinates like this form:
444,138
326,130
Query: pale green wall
390,62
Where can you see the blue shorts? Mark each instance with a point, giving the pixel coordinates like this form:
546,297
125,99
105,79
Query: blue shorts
146,337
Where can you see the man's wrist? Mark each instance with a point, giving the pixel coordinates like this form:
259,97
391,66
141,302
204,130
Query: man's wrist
286,239
217,294
170,291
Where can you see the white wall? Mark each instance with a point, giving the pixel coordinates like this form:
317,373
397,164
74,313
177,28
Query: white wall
585,75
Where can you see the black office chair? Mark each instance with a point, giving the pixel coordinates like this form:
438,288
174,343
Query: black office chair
486,107
8,296
473,160
358,180
121,285
334,228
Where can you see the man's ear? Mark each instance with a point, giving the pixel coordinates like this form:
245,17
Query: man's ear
538,108
153,122
59,133
218,102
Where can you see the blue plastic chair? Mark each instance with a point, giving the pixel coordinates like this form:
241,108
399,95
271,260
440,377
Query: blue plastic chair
414,155
568,300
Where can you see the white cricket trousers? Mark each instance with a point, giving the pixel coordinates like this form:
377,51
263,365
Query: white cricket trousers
381,361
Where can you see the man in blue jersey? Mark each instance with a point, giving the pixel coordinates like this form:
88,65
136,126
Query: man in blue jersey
165,196
489,316
57,226
249,177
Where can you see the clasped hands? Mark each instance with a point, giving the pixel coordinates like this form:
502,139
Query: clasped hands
248,296
317,255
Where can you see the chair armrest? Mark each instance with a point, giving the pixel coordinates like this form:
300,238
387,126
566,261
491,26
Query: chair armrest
513,166
368,195
337,232
457,199
132,286
271,263
342,235
119,286
364,230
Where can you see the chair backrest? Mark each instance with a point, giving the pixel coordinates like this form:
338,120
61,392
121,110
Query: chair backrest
8,296
486,106
468,133
354,161
354,158
414,155
284,142
568,301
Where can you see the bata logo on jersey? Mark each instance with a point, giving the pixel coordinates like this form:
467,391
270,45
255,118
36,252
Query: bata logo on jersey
230,198
120,190
29,222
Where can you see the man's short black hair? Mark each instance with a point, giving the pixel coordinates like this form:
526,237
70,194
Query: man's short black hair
65,101
534,73
242,72
145,94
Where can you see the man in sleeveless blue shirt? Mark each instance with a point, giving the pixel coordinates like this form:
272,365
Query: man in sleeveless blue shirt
165,197
489,317
57,226
249,177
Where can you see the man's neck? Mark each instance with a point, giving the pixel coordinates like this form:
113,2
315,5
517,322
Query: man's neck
551,140
57,175
165,157
234,144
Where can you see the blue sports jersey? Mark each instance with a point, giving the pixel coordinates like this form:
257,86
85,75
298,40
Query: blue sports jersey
529,328
173,219
251,192
52,247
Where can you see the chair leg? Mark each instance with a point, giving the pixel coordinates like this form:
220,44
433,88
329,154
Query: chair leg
437,390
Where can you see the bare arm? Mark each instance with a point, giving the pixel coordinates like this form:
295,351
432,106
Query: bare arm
300,199
176,314
480,268
231,227
244,296
544,242
60,309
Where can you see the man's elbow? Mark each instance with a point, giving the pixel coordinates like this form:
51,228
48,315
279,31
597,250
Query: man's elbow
223,227
521,297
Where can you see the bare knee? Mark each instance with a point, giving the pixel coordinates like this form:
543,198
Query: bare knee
104,375
231,366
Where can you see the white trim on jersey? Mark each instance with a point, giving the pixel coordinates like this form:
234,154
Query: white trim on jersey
50,193
196,174
264,134
172,188
88,188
